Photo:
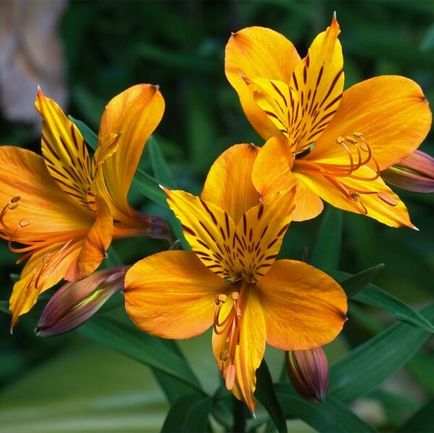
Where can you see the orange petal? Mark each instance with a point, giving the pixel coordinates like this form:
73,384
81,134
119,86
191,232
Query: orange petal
94,246
241,378
127,122
391,112
208,229
372,198
64,151
258,52
229,181
260,233
41,210
318,82
43,270
271,173
171,294
304,308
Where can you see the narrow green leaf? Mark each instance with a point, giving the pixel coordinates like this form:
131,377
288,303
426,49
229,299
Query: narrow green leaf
159,164
172,387
365,367
266,394
327,248
89,136
421,422
354,283
4,307
379,298
151,351
222,407
330,416
189,414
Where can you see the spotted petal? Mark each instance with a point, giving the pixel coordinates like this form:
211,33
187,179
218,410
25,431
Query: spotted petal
209,230
65,152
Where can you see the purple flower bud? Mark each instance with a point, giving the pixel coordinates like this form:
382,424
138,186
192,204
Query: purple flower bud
309,373
77,301
413,173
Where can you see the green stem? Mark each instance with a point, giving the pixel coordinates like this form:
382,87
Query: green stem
239,416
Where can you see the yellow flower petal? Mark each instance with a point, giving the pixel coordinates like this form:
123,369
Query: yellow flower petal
391,112
65,152
260,233
127,122
229,182
34,208
208,229
239,369
94,246
172,295
304,308
258,52
43,270
271,173
372,198
318,82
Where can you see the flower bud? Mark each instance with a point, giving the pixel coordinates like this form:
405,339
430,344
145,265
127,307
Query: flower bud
413,173
309,373
77,301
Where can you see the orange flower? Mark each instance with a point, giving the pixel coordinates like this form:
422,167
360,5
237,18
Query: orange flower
332,143
231,281
64,207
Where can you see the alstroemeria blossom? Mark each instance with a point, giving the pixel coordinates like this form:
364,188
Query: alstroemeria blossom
62,209
332,143
231,281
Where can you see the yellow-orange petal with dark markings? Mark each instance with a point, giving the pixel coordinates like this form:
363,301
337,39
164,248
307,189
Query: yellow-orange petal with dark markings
229,181
318,82
258,52
248,352
42,271
209,230
260,234
38,200
64,151
303,307
97,241
392,114
372,198
172,295
129,119
271,173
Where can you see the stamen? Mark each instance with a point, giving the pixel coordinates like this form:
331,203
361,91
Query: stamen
387,198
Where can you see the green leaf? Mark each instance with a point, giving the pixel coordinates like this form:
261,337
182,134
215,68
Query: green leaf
327,248
379,298
159,164
354,283
151,351
189,414
4,307
365,367
421,422
266,394
330,416
89,136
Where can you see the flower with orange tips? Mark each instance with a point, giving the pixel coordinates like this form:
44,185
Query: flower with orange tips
332,143
62,209
231,280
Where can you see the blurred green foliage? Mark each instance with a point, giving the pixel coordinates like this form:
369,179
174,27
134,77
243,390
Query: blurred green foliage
179,45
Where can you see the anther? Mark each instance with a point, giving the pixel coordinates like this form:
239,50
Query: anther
15,199
220,299
340,140
387,198
224,355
